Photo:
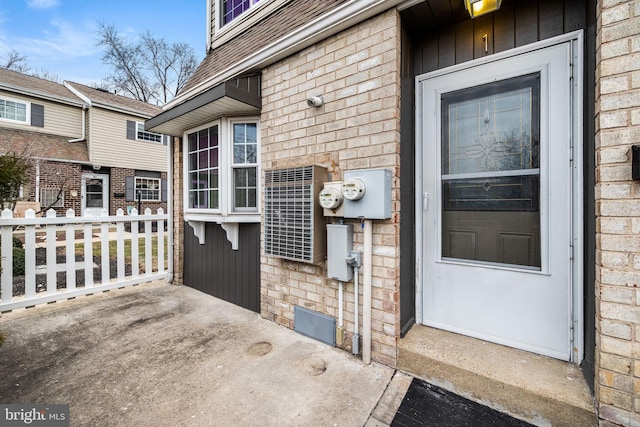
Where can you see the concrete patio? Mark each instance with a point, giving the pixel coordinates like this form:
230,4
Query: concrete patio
163,355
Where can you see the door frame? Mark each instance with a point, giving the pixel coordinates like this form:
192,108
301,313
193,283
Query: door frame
83,187
576,146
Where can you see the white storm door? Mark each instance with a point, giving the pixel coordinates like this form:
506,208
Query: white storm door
497,200
95,194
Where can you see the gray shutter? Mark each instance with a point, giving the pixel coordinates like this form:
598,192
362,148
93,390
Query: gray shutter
165,139
37,115
163,190
129,189
131,129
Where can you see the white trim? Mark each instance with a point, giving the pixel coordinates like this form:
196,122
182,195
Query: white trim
27,104
105,191
76,92
577,102
341,18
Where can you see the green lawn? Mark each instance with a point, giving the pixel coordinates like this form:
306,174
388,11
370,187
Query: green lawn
113,249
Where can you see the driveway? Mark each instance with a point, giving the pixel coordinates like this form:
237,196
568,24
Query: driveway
164,355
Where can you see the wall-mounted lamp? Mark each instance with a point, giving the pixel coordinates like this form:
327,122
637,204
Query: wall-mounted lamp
480,7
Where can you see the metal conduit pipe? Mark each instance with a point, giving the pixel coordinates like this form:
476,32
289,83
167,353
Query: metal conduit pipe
355,343
366,292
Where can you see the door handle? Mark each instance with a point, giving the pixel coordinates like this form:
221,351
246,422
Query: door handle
425,202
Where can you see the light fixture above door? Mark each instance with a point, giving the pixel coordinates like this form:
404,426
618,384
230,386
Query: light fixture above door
480,7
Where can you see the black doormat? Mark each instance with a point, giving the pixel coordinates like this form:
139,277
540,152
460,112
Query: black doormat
428,405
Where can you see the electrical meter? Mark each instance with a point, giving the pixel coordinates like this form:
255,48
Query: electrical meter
330,198
376,203
353,189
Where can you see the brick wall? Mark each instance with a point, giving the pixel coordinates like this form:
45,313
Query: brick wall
57,176
358,127
618,213
117,191
178,214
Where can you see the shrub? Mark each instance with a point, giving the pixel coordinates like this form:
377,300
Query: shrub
17,243
18,261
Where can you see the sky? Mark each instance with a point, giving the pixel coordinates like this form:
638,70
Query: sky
60,36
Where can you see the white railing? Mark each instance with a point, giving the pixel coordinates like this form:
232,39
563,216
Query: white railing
50,239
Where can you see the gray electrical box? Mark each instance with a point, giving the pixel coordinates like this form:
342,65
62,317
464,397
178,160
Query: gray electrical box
376,201
339,247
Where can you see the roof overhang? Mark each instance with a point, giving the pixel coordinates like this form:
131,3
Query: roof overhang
236,96
44,95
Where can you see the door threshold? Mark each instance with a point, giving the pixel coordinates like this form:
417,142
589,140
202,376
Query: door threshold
528,386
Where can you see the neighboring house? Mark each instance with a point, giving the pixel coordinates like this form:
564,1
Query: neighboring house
88,147
513,212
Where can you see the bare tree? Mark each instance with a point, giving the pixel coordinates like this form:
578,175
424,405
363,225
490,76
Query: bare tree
148,70
16,62
46,75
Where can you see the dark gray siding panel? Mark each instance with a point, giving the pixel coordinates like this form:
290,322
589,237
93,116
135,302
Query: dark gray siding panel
216,269
407,191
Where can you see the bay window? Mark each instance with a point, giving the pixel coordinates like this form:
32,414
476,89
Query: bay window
221,170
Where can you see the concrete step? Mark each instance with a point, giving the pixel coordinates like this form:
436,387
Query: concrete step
538,389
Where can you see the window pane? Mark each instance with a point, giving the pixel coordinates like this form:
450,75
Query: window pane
231,9
194,181
202,200
203,139
213,179
494,131
193,141
21,112
244,143
241,198
213,199
11,110
213,157
245,188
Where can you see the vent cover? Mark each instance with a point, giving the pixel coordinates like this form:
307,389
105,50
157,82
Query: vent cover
294,226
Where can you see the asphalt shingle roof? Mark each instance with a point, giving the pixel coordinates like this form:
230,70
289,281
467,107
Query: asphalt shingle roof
273,27
117,101
11,80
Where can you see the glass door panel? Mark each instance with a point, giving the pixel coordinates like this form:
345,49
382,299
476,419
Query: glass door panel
490,173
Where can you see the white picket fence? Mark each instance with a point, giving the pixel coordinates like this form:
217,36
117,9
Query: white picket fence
60,232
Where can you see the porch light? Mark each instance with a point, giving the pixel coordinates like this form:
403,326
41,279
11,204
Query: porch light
480,7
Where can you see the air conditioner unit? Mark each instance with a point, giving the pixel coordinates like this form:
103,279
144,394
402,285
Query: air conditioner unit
294,224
